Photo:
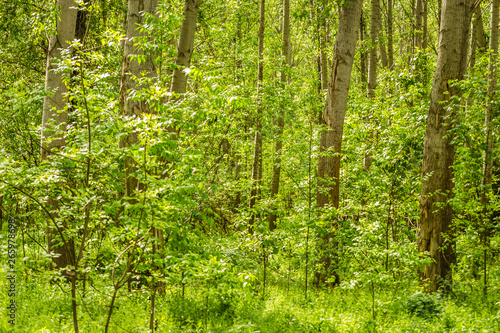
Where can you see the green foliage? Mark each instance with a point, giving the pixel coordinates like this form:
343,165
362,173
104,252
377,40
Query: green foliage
193,159
423,305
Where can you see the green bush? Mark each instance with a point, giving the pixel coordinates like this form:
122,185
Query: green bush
423,305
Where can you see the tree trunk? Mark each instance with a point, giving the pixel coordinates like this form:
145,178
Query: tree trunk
133,72
424,28
418,24
488,125
362,58
372,65
478,40
334,114
54,120
480,37
490,111
440,9
436,231
322,46
477,43
185,46
137,65
390,43
280,121
54,117
237,76
137,70
315,16
381,41
257,156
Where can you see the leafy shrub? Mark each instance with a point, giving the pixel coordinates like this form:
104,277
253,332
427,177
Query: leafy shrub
423,305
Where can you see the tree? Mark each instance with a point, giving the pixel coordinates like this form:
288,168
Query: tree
185,46
436,213
478,40
418,24
137,70
381,40
362,56
488,127
54,121
375,22
257,155
322,44
425,37
280,121
374,34
390,45
334,115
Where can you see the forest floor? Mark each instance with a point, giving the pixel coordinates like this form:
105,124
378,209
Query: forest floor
220,307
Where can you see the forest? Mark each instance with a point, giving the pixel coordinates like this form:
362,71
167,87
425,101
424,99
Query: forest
249,166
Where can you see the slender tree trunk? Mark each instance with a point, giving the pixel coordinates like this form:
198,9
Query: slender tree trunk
490,111
323,64
185,46
322,46
315,16
134,77
54,120
390,43
477,43
436,231
372,65
424,28
472,58
488,125
138,70
372,69
152,321
318,111
411,45
362,58
237,170
80,34
480,37
440,9
237,76
478,40
381,41
280,121
418,24
257,156
334,115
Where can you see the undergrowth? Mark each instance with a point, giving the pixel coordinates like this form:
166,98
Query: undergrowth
45,307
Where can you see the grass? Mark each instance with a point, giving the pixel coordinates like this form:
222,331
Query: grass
45,307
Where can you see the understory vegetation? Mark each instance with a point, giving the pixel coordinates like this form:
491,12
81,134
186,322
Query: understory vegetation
221,292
